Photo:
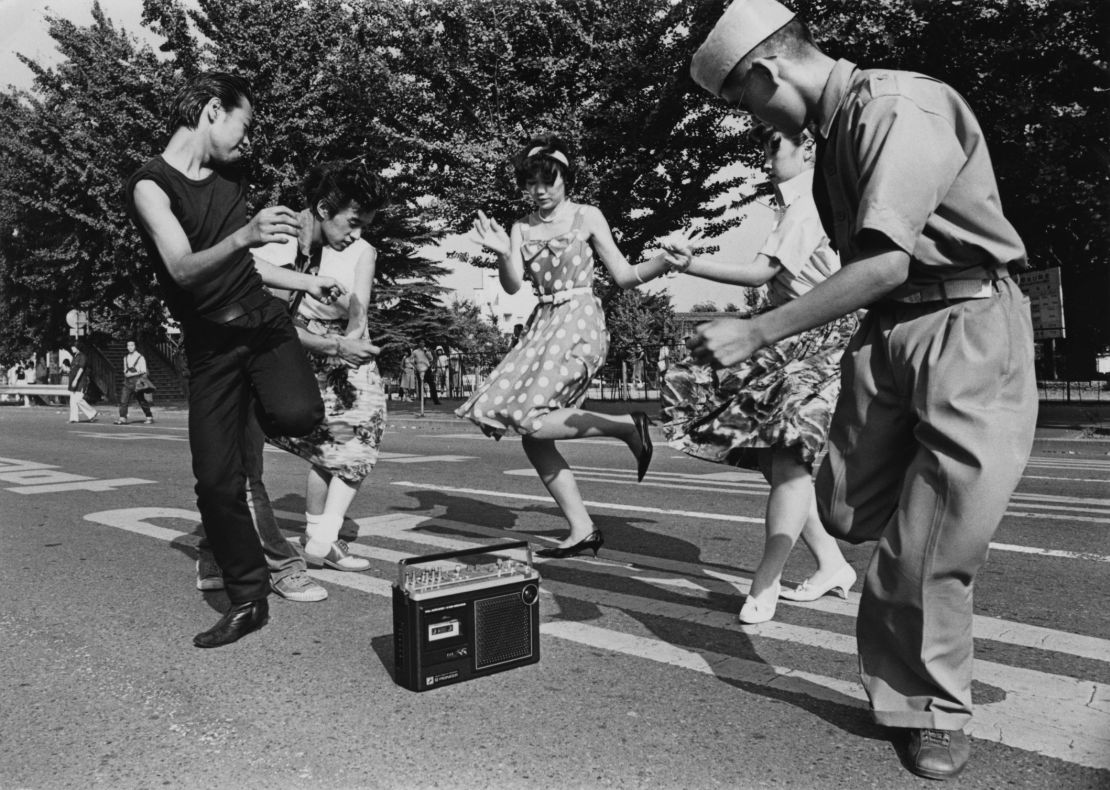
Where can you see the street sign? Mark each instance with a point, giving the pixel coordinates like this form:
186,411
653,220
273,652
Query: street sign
77,320
1046,301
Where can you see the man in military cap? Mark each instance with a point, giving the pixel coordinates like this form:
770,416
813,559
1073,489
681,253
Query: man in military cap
938,405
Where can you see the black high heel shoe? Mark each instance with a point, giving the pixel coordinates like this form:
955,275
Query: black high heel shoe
643,458
592,541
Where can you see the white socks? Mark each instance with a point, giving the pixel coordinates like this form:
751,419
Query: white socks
321,532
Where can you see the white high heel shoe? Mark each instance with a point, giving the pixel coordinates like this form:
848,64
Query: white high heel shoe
761,609
839,583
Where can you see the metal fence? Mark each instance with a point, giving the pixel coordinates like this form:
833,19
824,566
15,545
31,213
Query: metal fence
619,379
625,380
1093,392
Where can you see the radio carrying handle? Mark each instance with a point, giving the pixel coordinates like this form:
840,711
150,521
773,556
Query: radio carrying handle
449,555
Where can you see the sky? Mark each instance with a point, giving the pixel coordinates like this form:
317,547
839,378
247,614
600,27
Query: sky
23,29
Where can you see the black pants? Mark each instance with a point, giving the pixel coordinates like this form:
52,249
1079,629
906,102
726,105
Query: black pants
430,380
125,393
256,354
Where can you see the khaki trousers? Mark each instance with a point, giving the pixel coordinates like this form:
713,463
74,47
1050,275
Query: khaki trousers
928,441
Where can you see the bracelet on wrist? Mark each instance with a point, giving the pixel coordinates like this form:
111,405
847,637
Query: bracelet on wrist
636,274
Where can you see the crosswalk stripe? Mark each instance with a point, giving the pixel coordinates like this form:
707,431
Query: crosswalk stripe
1067,555
1064,728
1060,512
405,527
706,516
608,505
1056,716
1022,496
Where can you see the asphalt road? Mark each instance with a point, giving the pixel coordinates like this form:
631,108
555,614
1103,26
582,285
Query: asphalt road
646,679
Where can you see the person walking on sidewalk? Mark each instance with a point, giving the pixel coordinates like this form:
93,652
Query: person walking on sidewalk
135,382
938,402
425,372
78,385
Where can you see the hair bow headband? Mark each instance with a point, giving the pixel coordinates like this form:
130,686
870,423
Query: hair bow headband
558,156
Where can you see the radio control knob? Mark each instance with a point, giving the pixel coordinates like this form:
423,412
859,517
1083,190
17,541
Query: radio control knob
529,593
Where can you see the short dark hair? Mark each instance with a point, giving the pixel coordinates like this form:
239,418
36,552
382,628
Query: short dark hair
335,184
763,133
537,160
231,89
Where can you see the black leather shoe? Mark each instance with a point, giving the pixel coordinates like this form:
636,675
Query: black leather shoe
643,458
237,622
592,541
935,754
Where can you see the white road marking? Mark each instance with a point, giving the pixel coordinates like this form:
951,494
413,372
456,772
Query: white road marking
32,477
1056,716
706,516
606,505
1091,464
408,458
681,584
397,458
130,437
1041,713
1061,500
1099,480
754,486
1066,555
89,484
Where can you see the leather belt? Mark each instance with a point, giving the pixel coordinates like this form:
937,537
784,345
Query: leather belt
956,288
560,297
237,309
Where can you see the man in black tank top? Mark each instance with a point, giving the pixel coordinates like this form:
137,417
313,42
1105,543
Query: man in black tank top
190,206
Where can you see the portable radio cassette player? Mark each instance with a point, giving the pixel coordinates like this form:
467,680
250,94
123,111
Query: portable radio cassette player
465,614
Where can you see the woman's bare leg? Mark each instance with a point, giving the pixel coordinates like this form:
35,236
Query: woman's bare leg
555,473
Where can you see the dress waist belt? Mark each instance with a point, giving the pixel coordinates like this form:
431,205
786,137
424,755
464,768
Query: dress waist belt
560,297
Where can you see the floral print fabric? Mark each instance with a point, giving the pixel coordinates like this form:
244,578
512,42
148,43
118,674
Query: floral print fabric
783,396
346,444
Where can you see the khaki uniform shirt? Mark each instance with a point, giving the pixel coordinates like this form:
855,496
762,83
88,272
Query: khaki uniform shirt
902,154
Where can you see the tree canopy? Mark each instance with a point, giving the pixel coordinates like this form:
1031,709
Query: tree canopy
1037,75
438,94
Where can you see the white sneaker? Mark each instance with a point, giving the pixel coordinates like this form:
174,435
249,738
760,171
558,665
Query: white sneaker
338,557
209,575
298,586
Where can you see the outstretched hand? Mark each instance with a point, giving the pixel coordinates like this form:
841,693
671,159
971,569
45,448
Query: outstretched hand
725,342
678,249
276,223
489,233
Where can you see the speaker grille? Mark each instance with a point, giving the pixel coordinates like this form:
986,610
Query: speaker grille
502,630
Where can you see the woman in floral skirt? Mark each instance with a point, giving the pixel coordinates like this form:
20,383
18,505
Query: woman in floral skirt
343,200
772,411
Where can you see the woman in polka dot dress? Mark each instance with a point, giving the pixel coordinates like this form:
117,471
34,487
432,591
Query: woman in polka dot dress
538,386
